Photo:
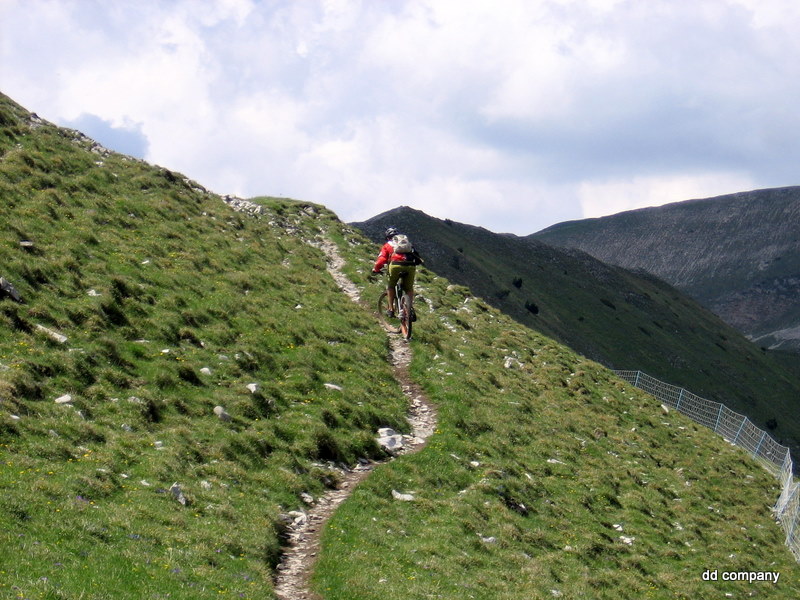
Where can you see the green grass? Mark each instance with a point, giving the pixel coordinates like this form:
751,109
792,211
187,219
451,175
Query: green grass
192,302
621,319
536,473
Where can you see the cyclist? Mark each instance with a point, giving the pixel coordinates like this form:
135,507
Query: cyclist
401,264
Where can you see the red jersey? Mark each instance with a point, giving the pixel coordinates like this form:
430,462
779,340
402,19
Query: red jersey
388,254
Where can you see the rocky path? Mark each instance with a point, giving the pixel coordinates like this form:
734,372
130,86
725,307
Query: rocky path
294,571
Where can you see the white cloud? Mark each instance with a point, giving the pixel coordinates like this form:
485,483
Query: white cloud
608,197
510,114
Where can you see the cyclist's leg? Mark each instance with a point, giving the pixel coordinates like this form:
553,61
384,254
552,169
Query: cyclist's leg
409,274
394,274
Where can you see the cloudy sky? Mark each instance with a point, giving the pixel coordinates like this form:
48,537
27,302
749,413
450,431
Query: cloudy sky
509,114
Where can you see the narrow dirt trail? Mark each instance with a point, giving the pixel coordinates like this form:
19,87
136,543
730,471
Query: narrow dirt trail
294,571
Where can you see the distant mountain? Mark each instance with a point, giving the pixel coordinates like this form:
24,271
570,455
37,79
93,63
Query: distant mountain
738,255
612,315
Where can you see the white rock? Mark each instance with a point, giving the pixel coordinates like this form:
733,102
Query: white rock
220,412
205,371
403,497
53,335
333,386
626,540
65,399
253,387
177,493
205,485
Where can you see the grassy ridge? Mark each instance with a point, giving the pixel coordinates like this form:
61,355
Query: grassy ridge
172,304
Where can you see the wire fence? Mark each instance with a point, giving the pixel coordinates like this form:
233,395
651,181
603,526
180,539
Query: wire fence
736,429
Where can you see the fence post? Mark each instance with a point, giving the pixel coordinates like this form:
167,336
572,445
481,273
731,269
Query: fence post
761,441
736,438
719,414
636,382
680,397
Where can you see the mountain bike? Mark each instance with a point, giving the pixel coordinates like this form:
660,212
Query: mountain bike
403,310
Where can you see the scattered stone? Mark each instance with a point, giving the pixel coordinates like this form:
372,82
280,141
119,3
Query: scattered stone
488,540
54,335
65,399
9,290
253,387
626,540
402,497
665,408
555,461
298,517
617,526
220,412
389,439
177,493
512,361
307,498
333,386
158,445
205,371
93,293
205,485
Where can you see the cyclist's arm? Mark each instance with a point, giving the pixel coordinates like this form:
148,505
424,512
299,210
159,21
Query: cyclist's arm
383,257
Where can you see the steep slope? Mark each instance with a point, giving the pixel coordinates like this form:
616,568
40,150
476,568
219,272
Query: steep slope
546,478
738,255
200,348
165,474
622,319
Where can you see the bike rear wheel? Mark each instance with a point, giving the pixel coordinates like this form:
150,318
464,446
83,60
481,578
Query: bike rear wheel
384,319
405,316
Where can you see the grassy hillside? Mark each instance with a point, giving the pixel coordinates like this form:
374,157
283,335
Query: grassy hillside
152,281
624,320
547,478
172,304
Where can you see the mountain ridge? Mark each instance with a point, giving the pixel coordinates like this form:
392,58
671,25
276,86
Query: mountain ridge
737,254
623,319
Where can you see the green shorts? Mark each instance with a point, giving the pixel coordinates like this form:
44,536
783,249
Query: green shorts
407,272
